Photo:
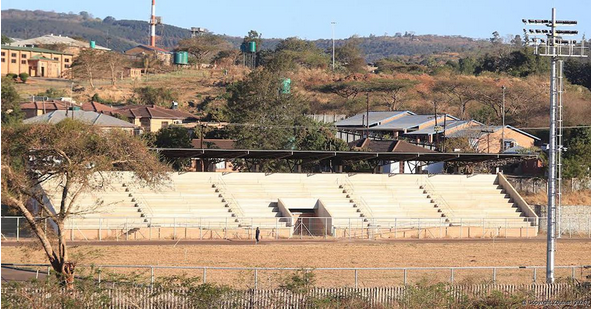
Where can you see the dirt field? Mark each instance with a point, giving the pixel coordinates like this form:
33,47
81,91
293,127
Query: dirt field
333,254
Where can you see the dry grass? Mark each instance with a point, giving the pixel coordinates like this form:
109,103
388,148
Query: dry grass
576,198
338,254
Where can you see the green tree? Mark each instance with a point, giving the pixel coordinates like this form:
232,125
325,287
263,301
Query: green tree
294,52
266,117
204,47
350,56
253,36
67,157
6,40
577,158
153,96
11,111
173,137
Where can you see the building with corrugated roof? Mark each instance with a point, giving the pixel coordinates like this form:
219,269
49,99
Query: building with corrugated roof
40,107
161,54
92,118
70,45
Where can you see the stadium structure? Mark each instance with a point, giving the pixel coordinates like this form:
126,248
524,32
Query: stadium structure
215,205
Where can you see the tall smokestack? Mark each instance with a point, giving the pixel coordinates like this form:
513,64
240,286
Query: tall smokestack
153,25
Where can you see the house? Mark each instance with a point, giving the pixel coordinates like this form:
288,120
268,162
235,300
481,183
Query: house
161,54
70,46
40,107
93,118
489,139
353,128
400,146
37,62
152,118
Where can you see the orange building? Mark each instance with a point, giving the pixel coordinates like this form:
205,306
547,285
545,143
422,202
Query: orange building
37,62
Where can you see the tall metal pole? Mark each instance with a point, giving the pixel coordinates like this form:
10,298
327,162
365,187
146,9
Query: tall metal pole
503,130
333,23
554,47
551,235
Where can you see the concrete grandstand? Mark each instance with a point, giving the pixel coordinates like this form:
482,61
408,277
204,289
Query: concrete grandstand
231,205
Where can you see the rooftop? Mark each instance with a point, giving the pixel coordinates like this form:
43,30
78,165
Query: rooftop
387,146
375,118
56,39
153,112
409,122
92,118
33,49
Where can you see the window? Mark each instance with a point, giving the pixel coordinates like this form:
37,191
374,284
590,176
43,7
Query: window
3,54
13,61
164,124
3,60
66,60
56,58
13,55
23,55
23,61
67,66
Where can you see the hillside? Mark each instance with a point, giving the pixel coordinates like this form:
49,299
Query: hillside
123,34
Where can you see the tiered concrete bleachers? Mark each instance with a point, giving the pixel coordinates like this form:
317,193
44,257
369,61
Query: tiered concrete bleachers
467,200
189,199
396,200
258,194
222,202
110,207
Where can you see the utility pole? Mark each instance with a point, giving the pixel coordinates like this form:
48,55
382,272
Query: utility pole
503,130
554,46
332,23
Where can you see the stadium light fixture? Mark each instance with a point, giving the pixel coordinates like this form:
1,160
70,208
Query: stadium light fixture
555,47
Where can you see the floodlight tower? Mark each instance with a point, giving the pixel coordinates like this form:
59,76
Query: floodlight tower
555,47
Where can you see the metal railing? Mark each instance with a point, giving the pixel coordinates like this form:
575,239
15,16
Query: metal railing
188,227
222,188
346,184
439,199
399,274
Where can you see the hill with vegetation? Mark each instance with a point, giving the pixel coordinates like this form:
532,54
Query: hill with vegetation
122,34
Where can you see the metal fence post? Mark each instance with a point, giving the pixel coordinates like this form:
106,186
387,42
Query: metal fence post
276,228
325,228
18,223
256,278
404,277
494,275
573,273
535,275
419,224
152,275
204,274
174,228
356,281
126,230
451,275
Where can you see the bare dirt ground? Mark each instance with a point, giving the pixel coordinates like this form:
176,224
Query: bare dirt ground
332,254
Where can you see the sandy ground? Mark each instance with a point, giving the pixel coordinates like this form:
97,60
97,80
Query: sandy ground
332,254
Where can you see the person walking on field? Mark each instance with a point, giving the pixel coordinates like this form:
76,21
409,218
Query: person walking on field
257,235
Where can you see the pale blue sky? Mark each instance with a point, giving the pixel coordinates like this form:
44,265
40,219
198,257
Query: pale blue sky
311,19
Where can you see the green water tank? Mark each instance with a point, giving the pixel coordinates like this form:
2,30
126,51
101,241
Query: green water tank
252,47
185,57
285,85
178,58
92,44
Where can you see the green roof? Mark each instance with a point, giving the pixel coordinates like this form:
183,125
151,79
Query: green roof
42,58
33,49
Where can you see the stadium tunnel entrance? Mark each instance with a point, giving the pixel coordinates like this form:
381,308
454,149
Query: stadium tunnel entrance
309,216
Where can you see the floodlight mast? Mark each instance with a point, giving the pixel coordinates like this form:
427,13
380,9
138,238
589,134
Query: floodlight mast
554,47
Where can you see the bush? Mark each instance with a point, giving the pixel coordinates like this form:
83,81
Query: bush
11,75
24,76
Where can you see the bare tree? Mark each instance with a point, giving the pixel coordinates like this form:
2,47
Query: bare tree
114,62
87,65
71,158
459,90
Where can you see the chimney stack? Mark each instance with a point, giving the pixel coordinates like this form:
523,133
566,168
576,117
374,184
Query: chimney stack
153,25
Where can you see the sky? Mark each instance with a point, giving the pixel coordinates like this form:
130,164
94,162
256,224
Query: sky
311,19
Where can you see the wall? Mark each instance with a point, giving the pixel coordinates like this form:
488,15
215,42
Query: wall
538,185
491,143
63,62
575,220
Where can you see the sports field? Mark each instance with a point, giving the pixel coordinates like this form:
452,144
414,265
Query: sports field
510,252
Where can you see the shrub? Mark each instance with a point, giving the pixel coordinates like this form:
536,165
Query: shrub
24,76
299,282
